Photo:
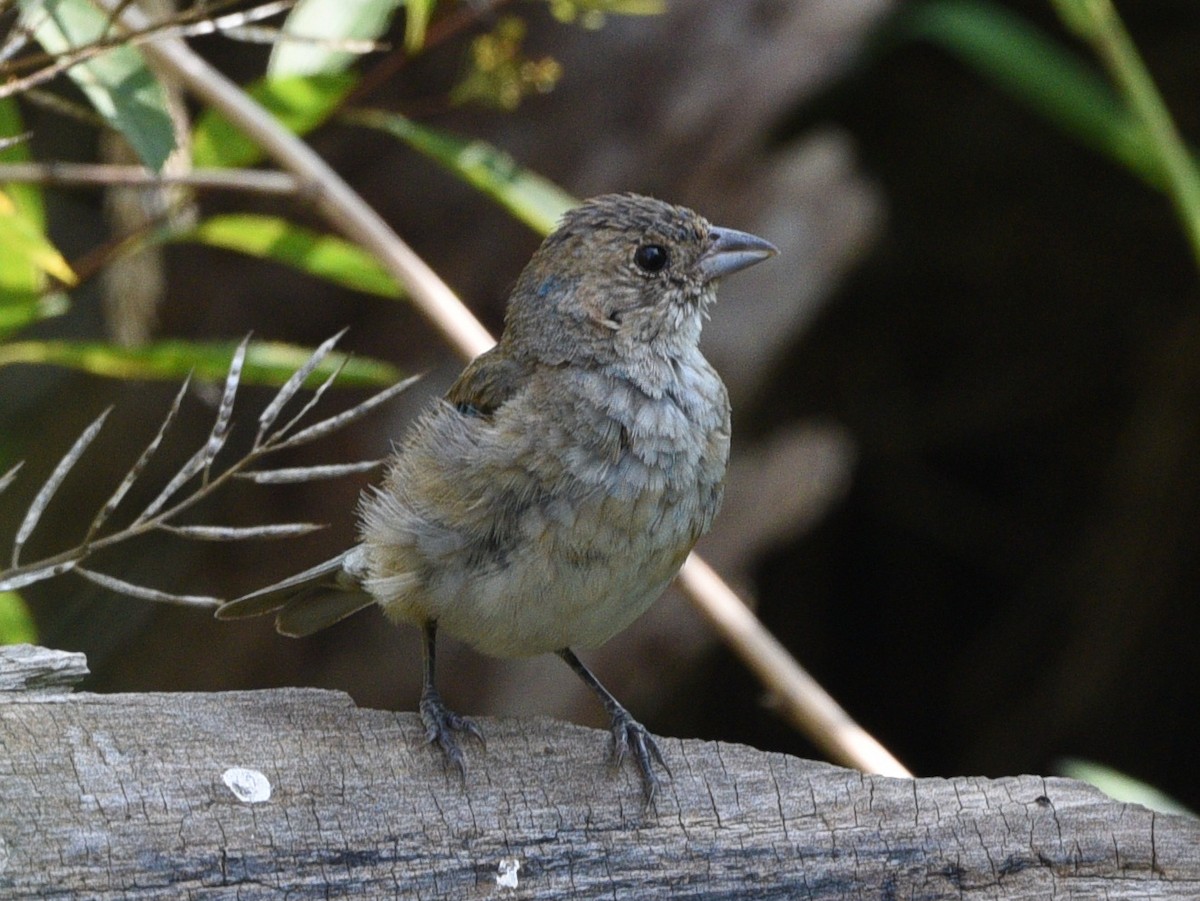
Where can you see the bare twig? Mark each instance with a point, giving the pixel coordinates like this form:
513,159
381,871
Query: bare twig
7,478
800,698
52,484
147,594
86,175
267,418
308,473
136,470
245,533
191,23
161,514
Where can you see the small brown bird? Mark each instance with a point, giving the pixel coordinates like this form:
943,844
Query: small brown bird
554,493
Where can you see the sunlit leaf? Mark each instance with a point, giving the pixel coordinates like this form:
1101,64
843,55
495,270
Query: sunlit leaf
118,83
26,196
21,308
300,104
16,623
417,14
1037,70
272,238
23,283
328,22
591,13
535,200
1121,786
267,363
23,238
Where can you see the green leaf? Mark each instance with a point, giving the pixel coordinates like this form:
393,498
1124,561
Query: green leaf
591,13
535,200
16,623
1038,71
27,196
19,309
267,362
324,256
117,83
1121,786
300,104
24,239
417,14
25,253
326,23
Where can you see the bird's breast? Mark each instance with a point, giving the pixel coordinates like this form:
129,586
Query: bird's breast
560,521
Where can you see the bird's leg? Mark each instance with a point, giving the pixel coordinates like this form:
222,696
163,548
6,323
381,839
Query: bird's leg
440,722
627,733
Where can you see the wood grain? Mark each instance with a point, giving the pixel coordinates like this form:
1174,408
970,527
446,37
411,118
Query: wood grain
129,796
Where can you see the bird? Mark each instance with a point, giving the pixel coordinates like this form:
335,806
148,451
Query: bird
553,493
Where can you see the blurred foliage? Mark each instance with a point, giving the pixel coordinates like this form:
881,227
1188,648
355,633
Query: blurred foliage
1121,786
592,13
500,75
118,83
309,82
319,35
529,197
26,254
300,103
1037,70
1128,123
267,362
16,625
273,238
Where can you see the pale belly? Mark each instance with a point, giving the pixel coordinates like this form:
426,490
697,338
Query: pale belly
577,581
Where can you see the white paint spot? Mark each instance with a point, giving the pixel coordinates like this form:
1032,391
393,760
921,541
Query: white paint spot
506,873
3,855
250,786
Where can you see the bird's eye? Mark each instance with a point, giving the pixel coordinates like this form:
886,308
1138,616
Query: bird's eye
651,257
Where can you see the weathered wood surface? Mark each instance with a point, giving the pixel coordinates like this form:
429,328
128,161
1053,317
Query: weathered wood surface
130,796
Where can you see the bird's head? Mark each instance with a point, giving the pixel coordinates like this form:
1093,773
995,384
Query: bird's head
623,277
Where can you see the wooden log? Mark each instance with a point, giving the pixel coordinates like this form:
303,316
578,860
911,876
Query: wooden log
298,792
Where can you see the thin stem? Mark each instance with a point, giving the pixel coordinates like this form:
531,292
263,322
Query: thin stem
800,697
1097,22
85,175
81,552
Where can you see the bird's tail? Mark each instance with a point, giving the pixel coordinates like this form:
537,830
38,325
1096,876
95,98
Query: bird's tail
308,601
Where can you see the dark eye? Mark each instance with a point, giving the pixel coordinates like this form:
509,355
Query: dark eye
651,257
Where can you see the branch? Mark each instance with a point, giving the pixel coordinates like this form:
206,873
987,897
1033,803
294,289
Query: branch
73,175
297,792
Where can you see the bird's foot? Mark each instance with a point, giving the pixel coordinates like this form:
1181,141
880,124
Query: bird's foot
630,736
441,724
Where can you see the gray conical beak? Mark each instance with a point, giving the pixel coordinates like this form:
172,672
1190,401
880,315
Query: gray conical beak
732,251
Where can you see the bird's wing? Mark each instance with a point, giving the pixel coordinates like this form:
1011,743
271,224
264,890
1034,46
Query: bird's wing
487,383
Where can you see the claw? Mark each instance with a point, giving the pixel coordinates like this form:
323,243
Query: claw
628,733
441,724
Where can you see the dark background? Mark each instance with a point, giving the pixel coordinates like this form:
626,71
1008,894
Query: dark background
996,330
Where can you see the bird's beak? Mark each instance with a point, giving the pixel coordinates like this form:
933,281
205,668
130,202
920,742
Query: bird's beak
732,251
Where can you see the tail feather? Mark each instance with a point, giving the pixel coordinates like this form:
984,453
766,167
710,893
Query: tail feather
313,612
308,601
